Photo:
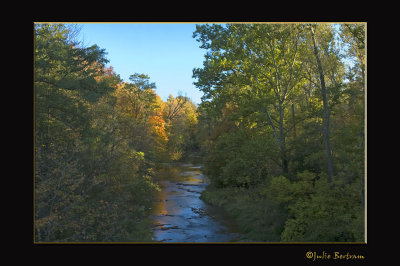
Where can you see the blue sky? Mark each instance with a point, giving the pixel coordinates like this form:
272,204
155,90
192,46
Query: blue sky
166,52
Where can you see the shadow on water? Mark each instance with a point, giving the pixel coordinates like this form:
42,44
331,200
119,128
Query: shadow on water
179,215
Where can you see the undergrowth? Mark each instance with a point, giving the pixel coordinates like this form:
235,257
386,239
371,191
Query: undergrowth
257,217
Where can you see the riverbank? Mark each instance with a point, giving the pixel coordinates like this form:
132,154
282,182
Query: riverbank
258,219
247,209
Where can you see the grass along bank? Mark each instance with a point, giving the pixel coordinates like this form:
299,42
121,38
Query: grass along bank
258,218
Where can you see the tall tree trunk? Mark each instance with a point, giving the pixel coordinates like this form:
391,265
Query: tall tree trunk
282,142
294,122
326,109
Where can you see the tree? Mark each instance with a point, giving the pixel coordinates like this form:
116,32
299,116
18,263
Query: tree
90,184
65,88
180,123
326,129
353,35
258,61
137,100
278,109
173,107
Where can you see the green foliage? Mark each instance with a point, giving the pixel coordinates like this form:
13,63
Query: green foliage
240,159
327,214
90,183
259,218
317,209
96,142
261,126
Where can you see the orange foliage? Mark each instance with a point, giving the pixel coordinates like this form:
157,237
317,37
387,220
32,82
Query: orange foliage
157,125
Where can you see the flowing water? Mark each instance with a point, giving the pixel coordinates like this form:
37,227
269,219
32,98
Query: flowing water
179,215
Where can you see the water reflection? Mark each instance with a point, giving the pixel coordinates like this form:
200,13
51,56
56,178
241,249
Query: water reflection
179,214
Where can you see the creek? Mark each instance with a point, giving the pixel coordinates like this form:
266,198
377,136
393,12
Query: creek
179,215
